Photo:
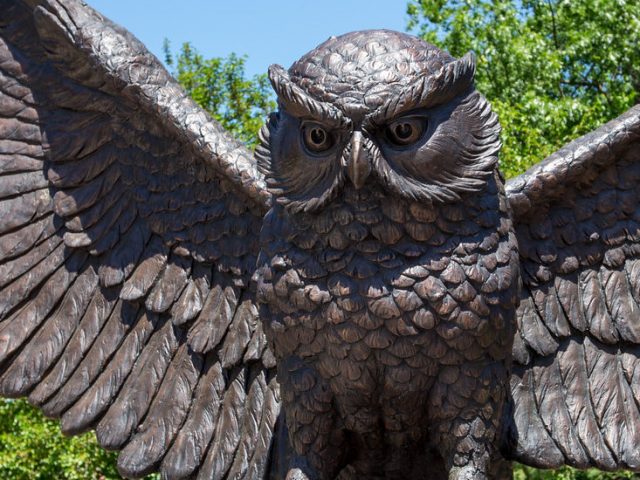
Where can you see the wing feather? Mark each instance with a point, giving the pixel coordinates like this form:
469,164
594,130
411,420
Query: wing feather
15,330
169,284
20,241
619,300
215,317
257,466
577,221
122,259
83,414
91,234
88,218
554,411
71,201
600,321
17,266
94,319
131,405
188,450
166,414
575,379
239,334
122,319
219,456
146,271
21,287
569,298
21,183
251,424
48,343
192,299
19,211
76,173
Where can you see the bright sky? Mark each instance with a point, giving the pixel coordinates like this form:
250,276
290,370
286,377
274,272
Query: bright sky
277,31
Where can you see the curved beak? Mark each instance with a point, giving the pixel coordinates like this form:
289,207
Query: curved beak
358,167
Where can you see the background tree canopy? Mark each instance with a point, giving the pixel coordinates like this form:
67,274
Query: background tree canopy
220,87
553,70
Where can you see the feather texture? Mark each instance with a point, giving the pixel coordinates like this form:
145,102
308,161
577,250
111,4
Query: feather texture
85,412
48,343
132,403
575,399
188,450
166,414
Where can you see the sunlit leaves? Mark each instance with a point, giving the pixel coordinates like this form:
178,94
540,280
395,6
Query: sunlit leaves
219,86
32,448
527,473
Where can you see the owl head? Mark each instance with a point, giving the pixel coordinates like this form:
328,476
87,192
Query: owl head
379,107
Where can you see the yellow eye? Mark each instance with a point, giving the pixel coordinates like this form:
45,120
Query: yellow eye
316,138
405,131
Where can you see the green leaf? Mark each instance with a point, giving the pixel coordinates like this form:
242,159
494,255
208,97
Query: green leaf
33,448
219,85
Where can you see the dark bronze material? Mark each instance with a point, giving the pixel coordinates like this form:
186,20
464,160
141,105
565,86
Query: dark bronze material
363,298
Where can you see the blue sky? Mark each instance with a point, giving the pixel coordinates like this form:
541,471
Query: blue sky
268,32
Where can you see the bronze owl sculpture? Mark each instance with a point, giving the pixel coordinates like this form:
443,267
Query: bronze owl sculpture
364,297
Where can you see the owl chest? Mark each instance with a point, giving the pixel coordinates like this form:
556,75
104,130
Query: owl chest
385,293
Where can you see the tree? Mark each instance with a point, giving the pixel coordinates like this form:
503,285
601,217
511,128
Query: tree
566,473
219,86
32,448
553,69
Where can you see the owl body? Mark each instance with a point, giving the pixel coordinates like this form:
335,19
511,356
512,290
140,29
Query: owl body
388,272
385,314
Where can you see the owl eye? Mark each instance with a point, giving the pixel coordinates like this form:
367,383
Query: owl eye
405,131
316,138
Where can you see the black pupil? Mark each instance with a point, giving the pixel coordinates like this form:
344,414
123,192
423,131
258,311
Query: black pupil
404,131
318,136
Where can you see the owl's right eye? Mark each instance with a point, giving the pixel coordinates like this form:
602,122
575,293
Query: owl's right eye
405,131
316,138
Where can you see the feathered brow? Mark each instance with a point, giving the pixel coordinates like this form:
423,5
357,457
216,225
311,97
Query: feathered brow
299,103
450,81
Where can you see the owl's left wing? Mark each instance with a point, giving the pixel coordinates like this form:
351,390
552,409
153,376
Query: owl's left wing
576,376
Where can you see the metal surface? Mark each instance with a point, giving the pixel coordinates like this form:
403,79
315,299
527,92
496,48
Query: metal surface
363,299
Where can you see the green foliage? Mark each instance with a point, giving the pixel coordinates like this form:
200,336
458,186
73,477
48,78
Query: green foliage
527,473
553,69
219,86
32,448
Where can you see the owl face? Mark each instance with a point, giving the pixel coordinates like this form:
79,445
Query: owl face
377,106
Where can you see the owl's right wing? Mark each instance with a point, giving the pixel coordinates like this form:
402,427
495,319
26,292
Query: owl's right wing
128,235
576,375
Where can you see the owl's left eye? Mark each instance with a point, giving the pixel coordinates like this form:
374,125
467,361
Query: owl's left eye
405,131
316,138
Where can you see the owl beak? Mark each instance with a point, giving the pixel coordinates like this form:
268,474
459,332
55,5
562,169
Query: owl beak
358,167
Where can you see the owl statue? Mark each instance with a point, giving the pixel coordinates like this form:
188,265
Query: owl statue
364,297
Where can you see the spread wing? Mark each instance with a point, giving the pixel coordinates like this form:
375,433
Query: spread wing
576,376
128,237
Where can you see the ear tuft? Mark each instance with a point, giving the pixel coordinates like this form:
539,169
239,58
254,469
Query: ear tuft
263,150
